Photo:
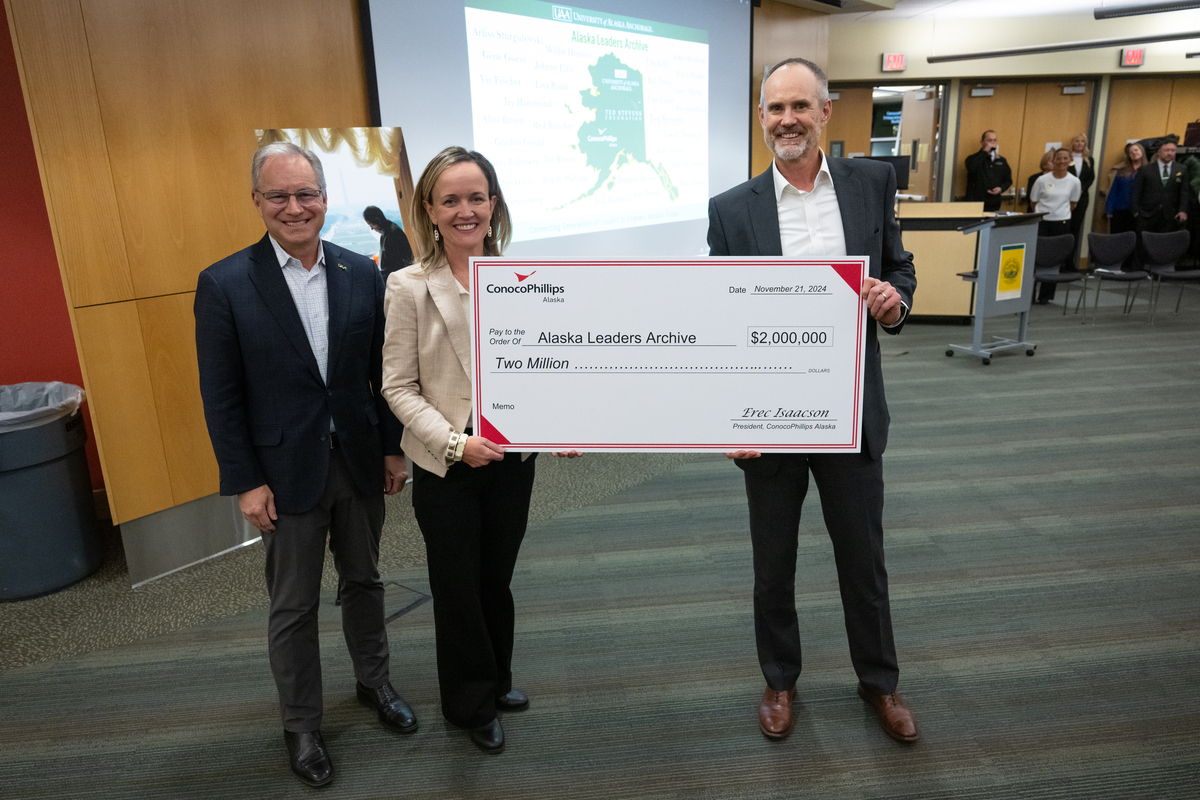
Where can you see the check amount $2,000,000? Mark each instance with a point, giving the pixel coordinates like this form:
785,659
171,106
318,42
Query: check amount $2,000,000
635,360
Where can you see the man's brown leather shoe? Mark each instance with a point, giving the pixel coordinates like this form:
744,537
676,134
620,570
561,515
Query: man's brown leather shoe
775,713
895,717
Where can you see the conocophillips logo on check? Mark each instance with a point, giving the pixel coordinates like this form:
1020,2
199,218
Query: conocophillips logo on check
522,287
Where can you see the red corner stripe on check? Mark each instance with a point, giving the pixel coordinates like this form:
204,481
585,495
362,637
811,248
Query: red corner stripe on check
489,432
852,274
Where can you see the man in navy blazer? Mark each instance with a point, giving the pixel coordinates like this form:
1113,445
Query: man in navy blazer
289,338
813,207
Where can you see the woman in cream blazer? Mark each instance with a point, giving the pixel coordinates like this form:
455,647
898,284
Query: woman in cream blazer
471,499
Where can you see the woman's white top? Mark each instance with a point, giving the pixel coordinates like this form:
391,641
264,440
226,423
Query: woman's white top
1053,196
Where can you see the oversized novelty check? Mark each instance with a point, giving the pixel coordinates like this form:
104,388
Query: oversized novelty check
712,354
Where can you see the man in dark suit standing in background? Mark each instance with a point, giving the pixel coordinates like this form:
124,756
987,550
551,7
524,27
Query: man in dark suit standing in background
289,338
812,207
395,253
988,173
1159,197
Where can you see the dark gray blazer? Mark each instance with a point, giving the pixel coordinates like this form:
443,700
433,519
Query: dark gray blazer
1149,198
266,406
744,221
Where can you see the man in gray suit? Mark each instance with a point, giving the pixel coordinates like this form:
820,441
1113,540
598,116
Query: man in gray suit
813,207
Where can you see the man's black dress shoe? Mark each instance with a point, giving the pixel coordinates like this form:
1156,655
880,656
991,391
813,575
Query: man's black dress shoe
310,759
489,738
393,711
515,700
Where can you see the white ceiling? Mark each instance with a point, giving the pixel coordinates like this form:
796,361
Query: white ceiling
975,9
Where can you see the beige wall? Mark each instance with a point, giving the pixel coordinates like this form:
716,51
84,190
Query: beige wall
856,45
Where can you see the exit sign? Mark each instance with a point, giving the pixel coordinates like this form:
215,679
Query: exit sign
893,62
1132,57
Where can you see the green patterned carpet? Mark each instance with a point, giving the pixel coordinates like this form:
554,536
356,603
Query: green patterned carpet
1043,526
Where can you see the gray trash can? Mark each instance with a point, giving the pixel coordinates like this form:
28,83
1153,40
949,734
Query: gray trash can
49,538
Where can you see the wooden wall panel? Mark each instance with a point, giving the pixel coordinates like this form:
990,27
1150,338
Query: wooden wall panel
52,52
1185,105
143,114
851,121
1003,112
1050,116
939,256
927,210
1137,108
33,297
182,87
169,332
121,397
781,31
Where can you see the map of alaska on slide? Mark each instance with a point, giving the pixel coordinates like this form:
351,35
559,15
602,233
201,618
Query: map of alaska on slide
583,114
617,135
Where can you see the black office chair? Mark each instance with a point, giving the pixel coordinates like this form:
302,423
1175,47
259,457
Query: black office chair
1163,251
1052,251
1106,254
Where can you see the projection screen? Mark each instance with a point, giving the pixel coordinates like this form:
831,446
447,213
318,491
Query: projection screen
610,126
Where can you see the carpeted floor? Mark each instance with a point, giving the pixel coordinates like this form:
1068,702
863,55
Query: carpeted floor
103,611
1043,528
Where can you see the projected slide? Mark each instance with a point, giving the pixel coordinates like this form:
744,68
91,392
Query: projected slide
594,121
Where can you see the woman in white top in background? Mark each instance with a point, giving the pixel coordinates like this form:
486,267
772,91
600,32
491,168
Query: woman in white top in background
1055,194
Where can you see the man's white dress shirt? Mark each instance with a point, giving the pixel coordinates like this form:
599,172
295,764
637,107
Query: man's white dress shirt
310,293
810,223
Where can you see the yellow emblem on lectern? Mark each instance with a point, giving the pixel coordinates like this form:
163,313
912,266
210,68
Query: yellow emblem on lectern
1011,268
1012,265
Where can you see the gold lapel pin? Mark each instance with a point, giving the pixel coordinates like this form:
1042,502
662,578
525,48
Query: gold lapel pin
343,266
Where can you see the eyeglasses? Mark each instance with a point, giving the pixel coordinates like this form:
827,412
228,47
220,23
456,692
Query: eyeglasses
305,197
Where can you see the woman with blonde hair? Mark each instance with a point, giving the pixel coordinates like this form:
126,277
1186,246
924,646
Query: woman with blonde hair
470,497
1084,168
